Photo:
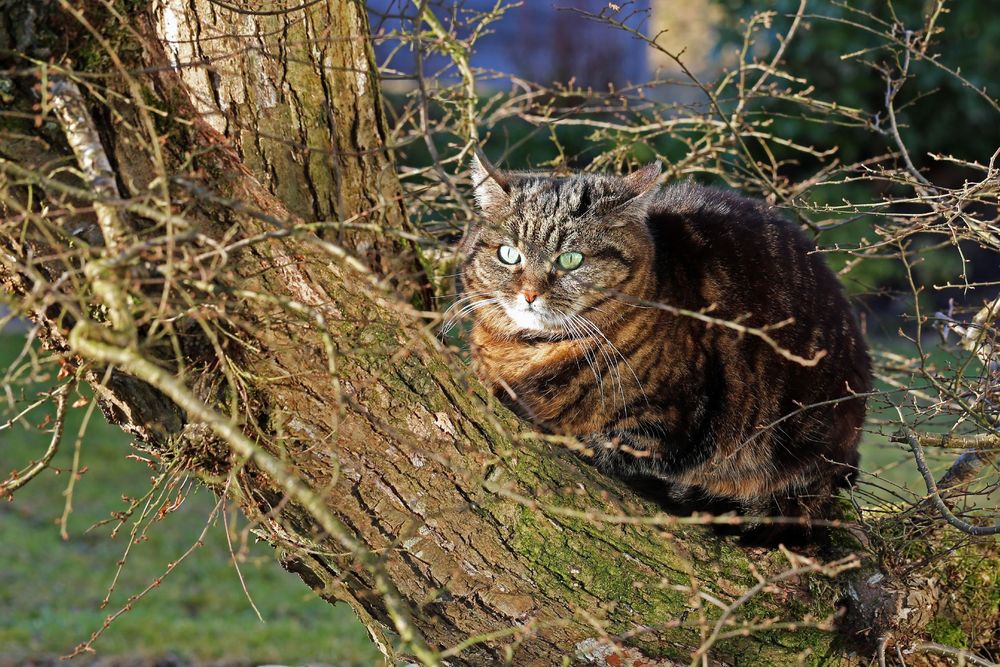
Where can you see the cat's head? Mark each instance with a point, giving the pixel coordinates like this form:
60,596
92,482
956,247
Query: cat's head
547,249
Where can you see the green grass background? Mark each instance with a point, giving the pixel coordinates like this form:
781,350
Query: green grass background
51,589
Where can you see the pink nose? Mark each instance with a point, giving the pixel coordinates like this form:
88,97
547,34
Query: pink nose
529,295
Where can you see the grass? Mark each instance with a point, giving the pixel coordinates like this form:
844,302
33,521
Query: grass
51,589
891,464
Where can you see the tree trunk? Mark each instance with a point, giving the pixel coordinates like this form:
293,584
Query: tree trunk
296,96
437,516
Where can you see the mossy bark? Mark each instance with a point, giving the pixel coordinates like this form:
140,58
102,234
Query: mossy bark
480,527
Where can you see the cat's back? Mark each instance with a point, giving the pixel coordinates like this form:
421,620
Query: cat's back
717,247
739,259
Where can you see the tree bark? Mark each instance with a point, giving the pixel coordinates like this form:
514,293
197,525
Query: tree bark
480,530
296,96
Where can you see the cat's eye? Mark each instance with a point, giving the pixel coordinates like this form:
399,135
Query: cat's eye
569,260
508,254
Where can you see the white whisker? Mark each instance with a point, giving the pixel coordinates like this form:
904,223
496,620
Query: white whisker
450,320
588,326
598,331
579,337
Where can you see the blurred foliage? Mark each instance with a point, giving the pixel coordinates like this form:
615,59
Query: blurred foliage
839,51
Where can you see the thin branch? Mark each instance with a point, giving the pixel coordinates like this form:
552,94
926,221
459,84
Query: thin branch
19,479
83,138
934,495
958,654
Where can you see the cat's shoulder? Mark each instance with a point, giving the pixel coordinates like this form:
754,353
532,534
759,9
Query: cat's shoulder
689,214
697,227
709,203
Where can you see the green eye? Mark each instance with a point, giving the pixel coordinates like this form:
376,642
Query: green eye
569,260
508,255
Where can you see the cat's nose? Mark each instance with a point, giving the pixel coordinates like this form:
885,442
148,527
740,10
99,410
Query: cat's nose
529,295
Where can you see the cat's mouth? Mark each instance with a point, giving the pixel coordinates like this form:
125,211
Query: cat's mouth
536,317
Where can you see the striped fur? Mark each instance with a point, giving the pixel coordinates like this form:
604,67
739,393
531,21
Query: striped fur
654,393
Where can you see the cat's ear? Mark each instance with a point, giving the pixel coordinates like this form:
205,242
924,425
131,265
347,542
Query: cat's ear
643,180
492,186
633,195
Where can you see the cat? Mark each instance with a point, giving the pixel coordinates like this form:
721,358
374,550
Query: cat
574,284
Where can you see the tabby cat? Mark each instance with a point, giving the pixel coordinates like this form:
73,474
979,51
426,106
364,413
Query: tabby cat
575,284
